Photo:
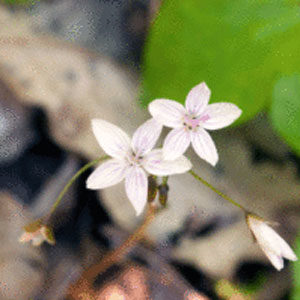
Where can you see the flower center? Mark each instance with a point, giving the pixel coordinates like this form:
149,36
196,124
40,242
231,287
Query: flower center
134,159
191,122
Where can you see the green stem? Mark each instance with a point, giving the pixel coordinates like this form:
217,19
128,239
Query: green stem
165,180
71,181
216,190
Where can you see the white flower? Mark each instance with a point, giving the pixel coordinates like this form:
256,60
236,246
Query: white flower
190,122
130,160
37,233
274,246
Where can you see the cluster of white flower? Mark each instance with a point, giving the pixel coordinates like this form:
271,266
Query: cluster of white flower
132,159
135,159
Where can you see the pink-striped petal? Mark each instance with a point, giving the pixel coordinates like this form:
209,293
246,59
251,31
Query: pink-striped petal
219,115
197,99
145,137
204,146
155,164
136,186
167,112
176,143
113,140
107,174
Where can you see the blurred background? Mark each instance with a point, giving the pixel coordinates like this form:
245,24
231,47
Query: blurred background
64,62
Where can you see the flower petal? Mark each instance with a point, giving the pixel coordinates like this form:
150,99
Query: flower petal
272,244
37,240
220,115
168,112
197,99
156,165
25,237
146,136
272,240
204,146
107,174
176,143
136,185
113,140
275,259
287,251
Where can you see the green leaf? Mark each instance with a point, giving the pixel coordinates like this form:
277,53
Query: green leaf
236,47
285,110
20,2
296,272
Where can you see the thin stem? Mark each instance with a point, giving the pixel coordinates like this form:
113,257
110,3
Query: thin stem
216,190
165,180
71,181
116,254
87,278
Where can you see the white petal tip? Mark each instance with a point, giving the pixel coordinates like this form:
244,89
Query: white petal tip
278,268
213,163
138,213
292,257
95,121
138,209
90,186
238,112
277,262
204,85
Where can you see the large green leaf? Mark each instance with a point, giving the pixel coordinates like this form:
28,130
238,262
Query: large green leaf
285,110
238,47
19,2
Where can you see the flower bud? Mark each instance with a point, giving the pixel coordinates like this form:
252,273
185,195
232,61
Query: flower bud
37,233
271,243
163,194
152,188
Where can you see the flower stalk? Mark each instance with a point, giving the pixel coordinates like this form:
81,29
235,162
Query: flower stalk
224,196
38,231
73,179
85,282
